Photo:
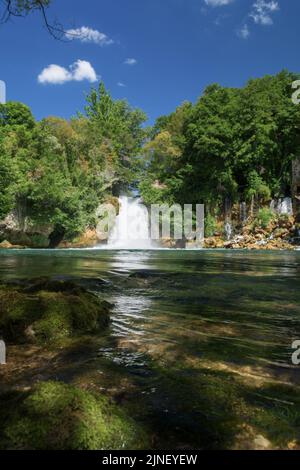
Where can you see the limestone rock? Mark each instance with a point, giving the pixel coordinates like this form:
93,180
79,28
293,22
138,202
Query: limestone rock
261,443
8,246
214,242
88,239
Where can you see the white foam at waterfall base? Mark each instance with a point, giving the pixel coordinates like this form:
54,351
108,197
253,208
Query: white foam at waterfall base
131,230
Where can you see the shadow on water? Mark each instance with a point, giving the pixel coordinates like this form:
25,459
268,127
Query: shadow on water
199,347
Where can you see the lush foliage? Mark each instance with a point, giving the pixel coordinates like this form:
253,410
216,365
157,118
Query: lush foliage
57,172
233,144
210,225
264,217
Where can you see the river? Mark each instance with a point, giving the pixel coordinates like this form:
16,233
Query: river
200,343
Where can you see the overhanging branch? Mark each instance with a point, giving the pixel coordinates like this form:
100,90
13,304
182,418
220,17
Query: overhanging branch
21,9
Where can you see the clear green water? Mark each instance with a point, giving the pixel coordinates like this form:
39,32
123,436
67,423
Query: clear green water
199,348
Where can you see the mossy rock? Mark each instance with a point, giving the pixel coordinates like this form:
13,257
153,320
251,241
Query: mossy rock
45,310
56,416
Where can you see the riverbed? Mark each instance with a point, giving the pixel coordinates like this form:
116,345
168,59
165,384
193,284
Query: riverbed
199,350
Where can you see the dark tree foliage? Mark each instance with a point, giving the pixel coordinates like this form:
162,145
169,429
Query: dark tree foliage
235,144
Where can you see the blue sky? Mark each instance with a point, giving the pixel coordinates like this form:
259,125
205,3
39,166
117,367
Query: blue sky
176,48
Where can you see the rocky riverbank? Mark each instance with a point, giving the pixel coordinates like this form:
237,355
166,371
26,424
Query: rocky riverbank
267,230
19,230
276,233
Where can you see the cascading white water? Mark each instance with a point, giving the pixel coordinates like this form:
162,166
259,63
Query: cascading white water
283,206
228,230
131,230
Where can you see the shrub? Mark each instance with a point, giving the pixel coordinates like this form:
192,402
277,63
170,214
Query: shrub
264,217
210,225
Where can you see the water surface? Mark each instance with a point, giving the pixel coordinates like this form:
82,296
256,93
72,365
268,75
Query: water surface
199,347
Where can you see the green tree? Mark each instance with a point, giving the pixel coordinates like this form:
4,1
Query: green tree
7,186
116,134
16,114
231,145
56,172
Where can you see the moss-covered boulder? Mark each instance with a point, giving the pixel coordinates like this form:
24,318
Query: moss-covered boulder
56,416
45,310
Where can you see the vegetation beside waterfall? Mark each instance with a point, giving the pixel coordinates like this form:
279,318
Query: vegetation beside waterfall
231,151
55,173
232,143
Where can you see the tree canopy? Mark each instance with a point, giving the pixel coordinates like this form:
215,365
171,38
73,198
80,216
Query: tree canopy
232,144
59,171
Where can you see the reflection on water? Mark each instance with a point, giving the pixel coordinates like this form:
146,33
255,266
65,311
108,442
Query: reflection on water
127,319
201,338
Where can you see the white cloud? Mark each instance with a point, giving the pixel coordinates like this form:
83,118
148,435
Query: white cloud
89,35
54,74
244,32
262,11
130,61
121,84
57,75
218,3
83,70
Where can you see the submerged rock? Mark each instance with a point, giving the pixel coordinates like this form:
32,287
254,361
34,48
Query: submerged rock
44,310
56,416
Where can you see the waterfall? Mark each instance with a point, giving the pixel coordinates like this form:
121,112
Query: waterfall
228,230
285,206
131,230
243,212
282,206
